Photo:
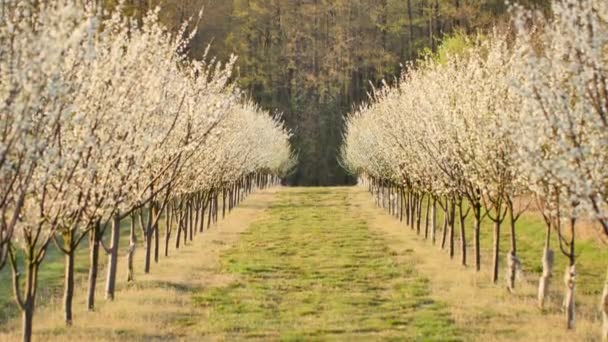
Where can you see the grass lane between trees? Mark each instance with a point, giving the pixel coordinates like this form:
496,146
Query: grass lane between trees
313,270
317,264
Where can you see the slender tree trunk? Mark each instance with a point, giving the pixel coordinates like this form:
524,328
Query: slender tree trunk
496,252
378,202
156,243
27,302
197,211
132,247
148,251
389,198
68,293
413,201
149,236
210,211
452,226
168,223
513,262
223,203
406,207
231,199
463,236
426,217
569,301
216,205
27,318
113,258
94,241
545,278
186,227
419,201
570,281
396,201
180,228
202,216
401,201
191,220
444,237
477,237
434,221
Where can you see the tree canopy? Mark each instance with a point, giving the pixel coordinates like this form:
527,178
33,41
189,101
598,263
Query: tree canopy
314,60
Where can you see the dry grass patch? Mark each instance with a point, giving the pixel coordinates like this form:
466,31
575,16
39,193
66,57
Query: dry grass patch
156,305
484,311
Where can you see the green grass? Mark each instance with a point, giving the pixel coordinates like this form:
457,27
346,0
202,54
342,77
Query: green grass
51,273
592,255
312,270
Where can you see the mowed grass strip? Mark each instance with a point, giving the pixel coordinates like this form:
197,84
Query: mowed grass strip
312,270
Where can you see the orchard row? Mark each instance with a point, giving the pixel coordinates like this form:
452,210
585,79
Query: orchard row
509,121
103,118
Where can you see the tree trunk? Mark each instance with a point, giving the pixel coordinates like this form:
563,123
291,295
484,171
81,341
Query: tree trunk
390,199
185,226
131,251
202,217
496,252
477,232
197,211
434,222
419,201
156,243
444,232
94,241
413,204
452,226
168,223
545,278
426,217
27,322
463,236
604,306
29,303
68,291
230,199
378,203
223,203
180,223
210,205
513,263
148,251
570,283
149,231
216,206
113,258
191,221
401,202
570,279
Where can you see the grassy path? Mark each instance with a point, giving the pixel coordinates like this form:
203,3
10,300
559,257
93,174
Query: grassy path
313,270
310,264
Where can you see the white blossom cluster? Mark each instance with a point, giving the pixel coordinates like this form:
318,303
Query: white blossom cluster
98,114
505,118
444,129
563,83
515,117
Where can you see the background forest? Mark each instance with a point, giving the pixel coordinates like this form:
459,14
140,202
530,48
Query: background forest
314,60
